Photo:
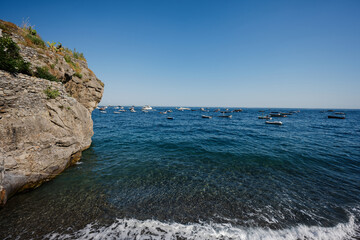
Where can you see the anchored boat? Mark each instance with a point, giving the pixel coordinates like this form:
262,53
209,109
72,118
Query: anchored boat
274,122
264,117
336,117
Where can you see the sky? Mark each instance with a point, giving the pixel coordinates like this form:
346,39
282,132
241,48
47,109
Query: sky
296,54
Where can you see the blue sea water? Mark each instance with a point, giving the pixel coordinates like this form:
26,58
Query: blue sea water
148,177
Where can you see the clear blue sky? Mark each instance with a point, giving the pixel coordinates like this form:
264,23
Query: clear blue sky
302,53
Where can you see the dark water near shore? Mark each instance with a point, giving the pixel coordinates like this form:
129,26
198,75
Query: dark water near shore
147,177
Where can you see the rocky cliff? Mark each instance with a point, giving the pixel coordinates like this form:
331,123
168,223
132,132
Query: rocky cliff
44,125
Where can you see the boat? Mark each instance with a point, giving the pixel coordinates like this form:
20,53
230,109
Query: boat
170,118
102,108
146,108
217,110
102,111
117,112
339,113
132,109
264,117
238,110
226,116
163,112
204,116
336,117
274,122
183,108
277,115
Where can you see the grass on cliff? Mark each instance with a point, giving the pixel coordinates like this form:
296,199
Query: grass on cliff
34,39
79,75
51,93
74,66
43,72
10,58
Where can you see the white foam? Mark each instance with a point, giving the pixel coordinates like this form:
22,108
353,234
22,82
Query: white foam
152,229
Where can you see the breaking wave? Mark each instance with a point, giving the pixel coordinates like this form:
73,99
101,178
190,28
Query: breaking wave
153,229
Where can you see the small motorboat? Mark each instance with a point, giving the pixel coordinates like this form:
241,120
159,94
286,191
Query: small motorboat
238,110
183,108
339,113
336,117
204,116
226,116
117,112
163,112
274,122
170,118
146,108
277,115
264,117
102,111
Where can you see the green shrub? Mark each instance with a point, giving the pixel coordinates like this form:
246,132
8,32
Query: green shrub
32,31
79,75
52,66
50,93
43,72
10,58
36,40
78,55
68,59
72,64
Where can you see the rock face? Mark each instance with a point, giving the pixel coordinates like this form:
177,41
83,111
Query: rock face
39,136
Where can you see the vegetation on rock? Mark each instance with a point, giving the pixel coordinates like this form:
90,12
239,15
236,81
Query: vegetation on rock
51,93
43,72
79,75
10,58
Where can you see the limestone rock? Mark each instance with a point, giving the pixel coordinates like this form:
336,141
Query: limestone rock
40,137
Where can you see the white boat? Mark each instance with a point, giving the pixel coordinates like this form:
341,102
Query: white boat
183,108
264,117
102,111
226,116
274,122
117,112
146,108
204,116
132,109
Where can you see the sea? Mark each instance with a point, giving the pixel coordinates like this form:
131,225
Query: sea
149,177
